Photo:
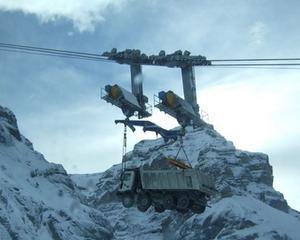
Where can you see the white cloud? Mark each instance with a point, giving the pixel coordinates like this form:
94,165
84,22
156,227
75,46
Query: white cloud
83,14
252,112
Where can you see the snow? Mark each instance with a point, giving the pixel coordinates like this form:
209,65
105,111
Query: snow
86,182
265,217
39,200
246,207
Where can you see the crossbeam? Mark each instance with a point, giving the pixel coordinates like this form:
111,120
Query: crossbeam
176,59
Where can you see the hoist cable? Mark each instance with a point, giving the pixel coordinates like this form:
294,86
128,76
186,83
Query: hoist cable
182,148
124,146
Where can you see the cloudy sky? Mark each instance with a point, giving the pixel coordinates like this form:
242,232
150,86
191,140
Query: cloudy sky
57,100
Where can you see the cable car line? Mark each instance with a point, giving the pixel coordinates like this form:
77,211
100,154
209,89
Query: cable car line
257,64
254,59
254,67
257,67
261,62
51,50
53,55
222,66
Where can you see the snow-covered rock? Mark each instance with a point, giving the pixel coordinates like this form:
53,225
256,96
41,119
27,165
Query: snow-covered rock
38,200
245,207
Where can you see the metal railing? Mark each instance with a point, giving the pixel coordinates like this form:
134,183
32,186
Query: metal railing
156,100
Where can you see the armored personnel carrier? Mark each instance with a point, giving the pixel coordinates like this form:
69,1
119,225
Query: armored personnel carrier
179,189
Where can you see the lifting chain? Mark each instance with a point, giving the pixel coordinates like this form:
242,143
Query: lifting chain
181,147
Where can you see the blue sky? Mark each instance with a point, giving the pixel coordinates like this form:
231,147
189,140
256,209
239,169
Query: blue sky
57,100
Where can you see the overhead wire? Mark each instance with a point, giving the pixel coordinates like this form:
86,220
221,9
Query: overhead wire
51,52
253,67
267,63
256,64
259,63
253,59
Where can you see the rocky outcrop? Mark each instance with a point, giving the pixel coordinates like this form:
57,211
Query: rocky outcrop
245,207
8,127
38,199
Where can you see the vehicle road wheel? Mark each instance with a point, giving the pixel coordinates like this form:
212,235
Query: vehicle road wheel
182,210
159,208
169,202
143,202
197,208
127,200
182,203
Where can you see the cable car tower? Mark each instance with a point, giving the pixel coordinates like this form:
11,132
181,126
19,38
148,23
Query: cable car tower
186,110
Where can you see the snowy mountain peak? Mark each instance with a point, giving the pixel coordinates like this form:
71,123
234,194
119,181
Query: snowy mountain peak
245,207
8,126
39,200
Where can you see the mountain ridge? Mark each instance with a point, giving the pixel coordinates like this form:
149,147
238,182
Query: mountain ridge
40,200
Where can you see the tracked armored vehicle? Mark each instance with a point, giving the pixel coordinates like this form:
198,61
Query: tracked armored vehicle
178,189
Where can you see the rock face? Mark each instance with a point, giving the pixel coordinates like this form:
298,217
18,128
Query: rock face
245,207
38,200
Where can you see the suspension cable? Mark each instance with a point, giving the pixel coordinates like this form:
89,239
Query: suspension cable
51,52
244,62
254,59
124,150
